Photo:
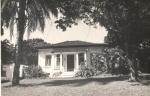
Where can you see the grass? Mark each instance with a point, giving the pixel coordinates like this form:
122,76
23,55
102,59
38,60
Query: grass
96,86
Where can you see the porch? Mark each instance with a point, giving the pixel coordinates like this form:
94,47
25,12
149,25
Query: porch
67,63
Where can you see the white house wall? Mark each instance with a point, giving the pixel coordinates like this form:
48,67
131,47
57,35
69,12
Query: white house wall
41,59
95,49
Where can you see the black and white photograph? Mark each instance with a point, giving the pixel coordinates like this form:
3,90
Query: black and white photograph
75,47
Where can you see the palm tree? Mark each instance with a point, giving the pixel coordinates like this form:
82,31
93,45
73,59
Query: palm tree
26,14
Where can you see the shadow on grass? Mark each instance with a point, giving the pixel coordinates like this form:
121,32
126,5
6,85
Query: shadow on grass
144,82
4,81
76,82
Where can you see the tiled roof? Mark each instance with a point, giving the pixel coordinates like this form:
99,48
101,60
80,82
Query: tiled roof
73,44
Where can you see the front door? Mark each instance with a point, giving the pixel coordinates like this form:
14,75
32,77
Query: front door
70,62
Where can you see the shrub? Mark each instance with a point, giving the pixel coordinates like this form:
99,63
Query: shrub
34,72
56,74
111,60
86,71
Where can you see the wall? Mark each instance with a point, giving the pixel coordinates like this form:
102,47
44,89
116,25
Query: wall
41,59
9,68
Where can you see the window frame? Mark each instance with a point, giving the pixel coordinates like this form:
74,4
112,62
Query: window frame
46,64
81,57
58,58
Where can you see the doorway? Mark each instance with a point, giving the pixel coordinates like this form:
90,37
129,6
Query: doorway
70,62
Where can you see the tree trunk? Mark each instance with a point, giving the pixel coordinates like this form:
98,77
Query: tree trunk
132,61
136,69
20,33
134,76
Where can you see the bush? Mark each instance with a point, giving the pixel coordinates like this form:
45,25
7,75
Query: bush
86,71
34,72
57,74
111,60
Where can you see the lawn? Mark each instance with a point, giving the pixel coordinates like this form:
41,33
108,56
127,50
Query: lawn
96,86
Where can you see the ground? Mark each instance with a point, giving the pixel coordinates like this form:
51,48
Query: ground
95,86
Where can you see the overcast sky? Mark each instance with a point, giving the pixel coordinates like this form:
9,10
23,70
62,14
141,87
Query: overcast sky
81,32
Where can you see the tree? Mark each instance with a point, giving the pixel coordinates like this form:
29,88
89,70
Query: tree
144,57
26,14
7,52
29,51
127,23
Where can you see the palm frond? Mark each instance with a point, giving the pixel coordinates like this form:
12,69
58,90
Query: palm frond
37,11
9,10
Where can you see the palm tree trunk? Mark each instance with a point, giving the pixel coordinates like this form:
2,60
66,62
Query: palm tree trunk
20,33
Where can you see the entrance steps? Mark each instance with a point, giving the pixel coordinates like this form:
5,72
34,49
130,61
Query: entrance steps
67,74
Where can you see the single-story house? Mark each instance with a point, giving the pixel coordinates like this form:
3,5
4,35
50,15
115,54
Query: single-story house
66,57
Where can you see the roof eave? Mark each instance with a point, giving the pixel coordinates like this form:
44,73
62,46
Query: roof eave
46,47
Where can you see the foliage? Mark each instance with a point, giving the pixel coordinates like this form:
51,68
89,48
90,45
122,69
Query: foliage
98,61
86,71
36,13
56,74
111,60
7,52
34,72
144,57
29,51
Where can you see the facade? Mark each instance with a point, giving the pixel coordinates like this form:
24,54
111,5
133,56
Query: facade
66,57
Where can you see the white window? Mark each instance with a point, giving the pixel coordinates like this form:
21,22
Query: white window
48,60
58,60
81,58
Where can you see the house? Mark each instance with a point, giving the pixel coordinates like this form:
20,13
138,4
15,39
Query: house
66,57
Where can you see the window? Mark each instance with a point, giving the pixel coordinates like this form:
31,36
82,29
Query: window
81,58
48,60
58,60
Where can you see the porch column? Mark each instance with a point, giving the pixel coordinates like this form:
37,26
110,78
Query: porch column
85,58
88,58
77,61
60,61
53,61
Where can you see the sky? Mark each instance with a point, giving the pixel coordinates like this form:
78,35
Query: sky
52,35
